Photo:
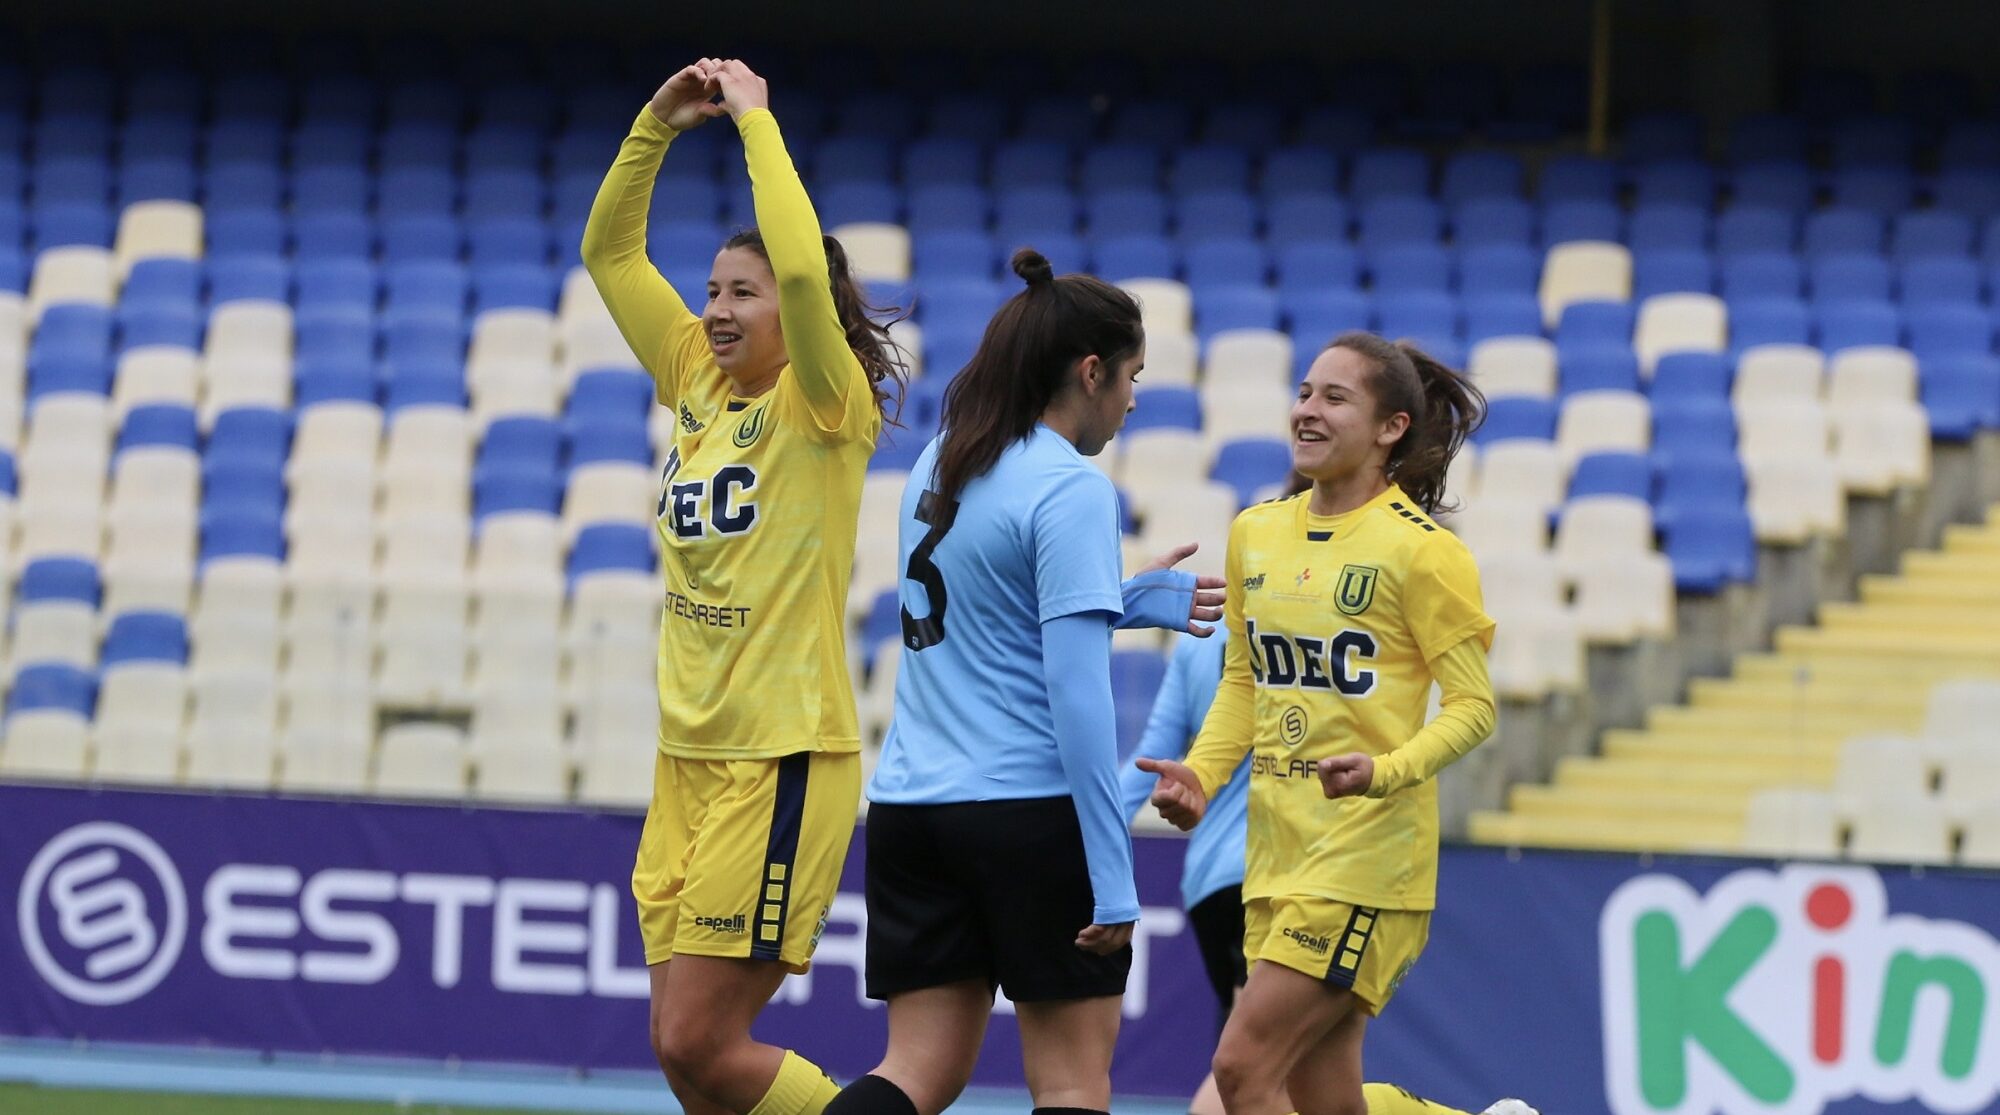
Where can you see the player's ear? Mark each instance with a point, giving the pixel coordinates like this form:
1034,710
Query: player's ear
1090,373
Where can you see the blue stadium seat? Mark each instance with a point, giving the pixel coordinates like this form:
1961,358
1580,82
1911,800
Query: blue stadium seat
240,232
1850,275
1785,186
1768,321
1872,141
61,224
1930,233
1670,270
1219,262
418,190
1949,329
159,323
13,269
1940,279
1517,314
504,193
1171,407
1577,178
1300,170
1136,676
859,202
1712,545
323,144
1250,465
246,141
1767,136
897,450
1883,190
1851,323
1027,213
1567,220
156,180
878,115
507,240
1153,121
1690,375
1113,166
242,481
322,235
1409,267
66,372
171,281
1058,119
1429,317
1612,474
70,179
1499,269
967,254
1472,175
1209,167
1691,481
1031,162
1517,416
1483,221
949,207
1392,220
417,387
1975,193
948,157
423,285
524,442
964,303
1961,392
1840,230
1677,181
419,336
68,133
1316,316
159,424
338,282
1667,227
1256,124
228,531
1317,263
1970,145
1684,426
1774,274
881,623
76,328
1306,216
145,636
263,433
1126,212
1221,308
1389,172
41,686
333,188
1215,214
1595,322
513,285
322,381
851,158
609,396
51,579
1335,127
503,147
1596,366
504,489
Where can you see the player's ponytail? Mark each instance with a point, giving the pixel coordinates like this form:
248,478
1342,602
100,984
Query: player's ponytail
1023,361
866,324
1443,405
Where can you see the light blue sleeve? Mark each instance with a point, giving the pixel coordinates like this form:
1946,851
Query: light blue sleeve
1167,735
1076,666
1075,546
1161,598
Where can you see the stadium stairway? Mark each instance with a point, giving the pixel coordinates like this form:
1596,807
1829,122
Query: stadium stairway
1808,740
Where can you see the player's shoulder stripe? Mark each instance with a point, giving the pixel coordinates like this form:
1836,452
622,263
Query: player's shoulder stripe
1275,511
1413,517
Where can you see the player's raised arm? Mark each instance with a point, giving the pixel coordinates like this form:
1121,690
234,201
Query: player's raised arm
823,364
656,322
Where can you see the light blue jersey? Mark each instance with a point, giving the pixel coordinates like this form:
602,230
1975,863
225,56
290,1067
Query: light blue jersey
1032,540
1215,848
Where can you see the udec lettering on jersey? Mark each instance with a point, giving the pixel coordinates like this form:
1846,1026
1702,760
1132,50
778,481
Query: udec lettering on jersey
1305,662
722,504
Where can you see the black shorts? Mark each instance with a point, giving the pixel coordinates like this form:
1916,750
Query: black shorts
992,890
1218,932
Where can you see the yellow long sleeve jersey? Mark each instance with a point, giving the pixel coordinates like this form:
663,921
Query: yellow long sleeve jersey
759,496
1339,625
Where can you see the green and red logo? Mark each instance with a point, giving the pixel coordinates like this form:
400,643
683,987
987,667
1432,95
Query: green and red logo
1778,992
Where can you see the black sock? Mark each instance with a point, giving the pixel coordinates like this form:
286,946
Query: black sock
871,1095
1069,1111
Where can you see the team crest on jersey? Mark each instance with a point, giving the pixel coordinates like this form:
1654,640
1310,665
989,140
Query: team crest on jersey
752,427
1356,589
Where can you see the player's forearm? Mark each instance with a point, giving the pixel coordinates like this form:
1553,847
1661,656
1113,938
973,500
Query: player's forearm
1160,598
1465,719
821,360
1076,667
614,243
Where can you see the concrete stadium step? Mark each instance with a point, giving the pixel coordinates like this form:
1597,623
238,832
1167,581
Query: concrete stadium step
1875,645
1914,618
1966,563
1961,538
1981,592
1784,720
1814,754
1818,694
1848,670
1635,835
1615,806
1745,773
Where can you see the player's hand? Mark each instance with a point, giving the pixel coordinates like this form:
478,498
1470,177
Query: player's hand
1346,776
1178,794
742,90
1105,939
1208,590
683,102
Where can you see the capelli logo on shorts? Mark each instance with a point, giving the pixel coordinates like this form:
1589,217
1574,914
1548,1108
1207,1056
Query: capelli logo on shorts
1308,941
734,924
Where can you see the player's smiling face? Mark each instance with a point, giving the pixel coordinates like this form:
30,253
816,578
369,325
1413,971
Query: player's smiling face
1335,430
741,317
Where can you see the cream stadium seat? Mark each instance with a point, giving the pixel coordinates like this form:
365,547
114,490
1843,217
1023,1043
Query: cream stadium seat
427,439
1240,356
1679,323
419,759
1882,445
243,760
1510,366
156,229
229,706
512,334
1792,499
343,430
1871,374
232,381
1790,822
1492,525
1584,270
1165,306
75,531
54,631
1200,513
239,585
522,771
250,328
1771,428
528,391
225,644
1172,360
1600,528
1899,830
1240,410
1964,713
1969,775
313,759
1980,844
613,605
136,736
1880,767
155,374
579,298
620,772
592,343
1462,480
908,337
44,743
1160,456
1524,471
1782,372
71,274
876,252
1627,597
614,491
1528,580
1604,422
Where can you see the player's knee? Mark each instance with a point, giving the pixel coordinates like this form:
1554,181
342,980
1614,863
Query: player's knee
691,1049
1237,1075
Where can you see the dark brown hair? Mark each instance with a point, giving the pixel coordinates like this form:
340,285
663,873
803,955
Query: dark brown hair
1443,405
867,324
1024,359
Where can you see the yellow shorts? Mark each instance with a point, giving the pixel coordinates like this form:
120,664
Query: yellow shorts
1365,950
742,858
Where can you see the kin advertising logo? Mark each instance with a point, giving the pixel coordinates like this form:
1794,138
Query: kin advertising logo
1778,992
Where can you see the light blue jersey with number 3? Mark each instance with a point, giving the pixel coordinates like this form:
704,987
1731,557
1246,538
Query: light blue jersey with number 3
1034,538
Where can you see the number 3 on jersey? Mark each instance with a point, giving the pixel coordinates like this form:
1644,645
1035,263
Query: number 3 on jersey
934,512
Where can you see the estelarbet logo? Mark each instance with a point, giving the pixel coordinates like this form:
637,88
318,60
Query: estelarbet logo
113,903
1778,992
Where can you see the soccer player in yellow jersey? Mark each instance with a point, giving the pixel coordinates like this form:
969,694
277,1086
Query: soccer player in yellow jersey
777,390
1345,603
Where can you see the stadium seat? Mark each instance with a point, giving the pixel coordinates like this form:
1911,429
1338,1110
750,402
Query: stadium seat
1584,271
